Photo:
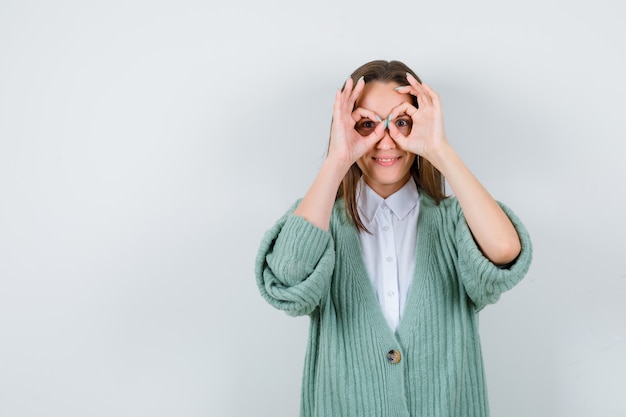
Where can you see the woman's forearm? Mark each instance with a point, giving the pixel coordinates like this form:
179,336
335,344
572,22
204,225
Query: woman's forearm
493,231
317,204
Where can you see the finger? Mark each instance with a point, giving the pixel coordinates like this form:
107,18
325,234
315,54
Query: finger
412,80
337,102
361,113
397,136
356,91
372,139
423,98
403,108
406,89
342,98
347,85
380,130
344,92
393,129
367,122
432,94
418,90
415,90
409,89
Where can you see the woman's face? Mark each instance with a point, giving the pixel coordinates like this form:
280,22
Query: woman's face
386,168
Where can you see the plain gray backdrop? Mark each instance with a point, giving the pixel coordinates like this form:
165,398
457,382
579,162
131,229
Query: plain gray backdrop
146,146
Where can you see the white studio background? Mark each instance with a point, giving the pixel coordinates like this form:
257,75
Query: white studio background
145,147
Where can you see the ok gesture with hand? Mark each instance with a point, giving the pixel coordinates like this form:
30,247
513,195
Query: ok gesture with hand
347,145
427,137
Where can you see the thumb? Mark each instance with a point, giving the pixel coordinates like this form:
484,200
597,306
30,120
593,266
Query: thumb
375,137
397,136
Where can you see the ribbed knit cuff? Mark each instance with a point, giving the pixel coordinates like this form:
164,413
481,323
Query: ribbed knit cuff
483,280
297,250
294,265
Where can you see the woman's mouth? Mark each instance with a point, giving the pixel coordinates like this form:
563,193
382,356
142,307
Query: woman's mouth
386,161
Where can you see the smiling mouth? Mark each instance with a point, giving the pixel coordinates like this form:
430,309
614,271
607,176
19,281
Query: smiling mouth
386,159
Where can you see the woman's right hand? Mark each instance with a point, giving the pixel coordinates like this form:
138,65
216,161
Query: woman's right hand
347,145
345,148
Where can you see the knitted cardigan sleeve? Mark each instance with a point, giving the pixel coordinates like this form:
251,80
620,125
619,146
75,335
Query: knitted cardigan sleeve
484,282
294,265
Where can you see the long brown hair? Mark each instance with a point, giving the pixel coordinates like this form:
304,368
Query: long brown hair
428,179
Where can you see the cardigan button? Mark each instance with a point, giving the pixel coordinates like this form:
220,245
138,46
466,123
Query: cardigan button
393,356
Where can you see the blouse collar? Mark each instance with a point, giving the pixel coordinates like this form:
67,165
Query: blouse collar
401,202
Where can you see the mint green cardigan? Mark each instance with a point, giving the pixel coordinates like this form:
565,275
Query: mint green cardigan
348,370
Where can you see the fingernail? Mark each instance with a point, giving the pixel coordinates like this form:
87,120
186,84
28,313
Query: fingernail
408,74
362,76
397,88
378,118
388,120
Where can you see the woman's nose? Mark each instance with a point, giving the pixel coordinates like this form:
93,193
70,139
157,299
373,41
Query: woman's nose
386,142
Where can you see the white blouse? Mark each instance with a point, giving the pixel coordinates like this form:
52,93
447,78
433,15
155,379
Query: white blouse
389,251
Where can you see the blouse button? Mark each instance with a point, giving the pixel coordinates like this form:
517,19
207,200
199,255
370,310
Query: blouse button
393,356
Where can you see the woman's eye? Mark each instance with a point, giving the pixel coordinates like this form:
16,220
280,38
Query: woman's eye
403,124
365,126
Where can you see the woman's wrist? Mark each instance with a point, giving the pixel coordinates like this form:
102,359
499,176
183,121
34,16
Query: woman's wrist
442,157
337,164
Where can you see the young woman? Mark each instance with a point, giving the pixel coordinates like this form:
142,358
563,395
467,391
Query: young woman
391,271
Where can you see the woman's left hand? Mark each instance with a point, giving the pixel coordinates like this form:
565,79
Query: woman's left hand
427,137
493,231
